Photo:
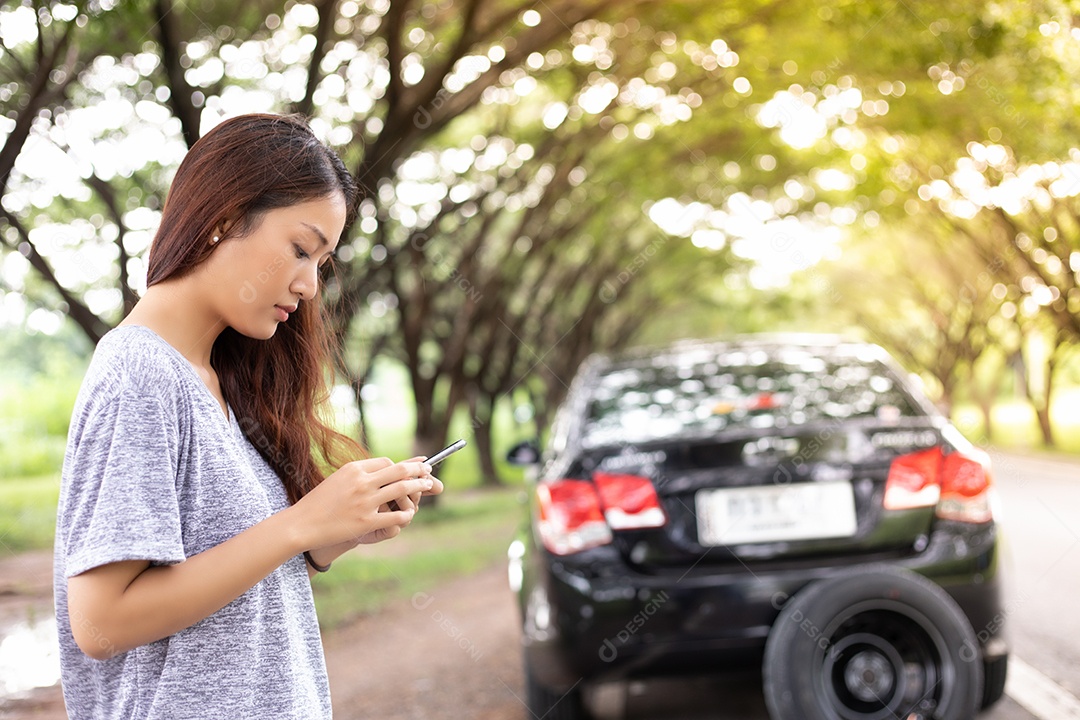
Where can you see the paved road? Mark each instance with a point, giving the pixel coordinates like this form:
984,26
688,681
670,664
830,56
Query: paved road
1040,516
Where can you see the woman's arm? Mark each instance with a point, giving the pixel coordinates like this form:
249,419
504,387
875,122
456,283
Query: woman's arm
126,604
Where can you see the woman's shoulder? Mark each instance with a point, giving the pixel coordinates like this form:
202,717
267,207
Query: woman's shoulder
134,359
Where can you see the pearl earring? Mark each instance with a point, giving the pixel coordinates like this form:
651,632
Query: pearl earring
213,241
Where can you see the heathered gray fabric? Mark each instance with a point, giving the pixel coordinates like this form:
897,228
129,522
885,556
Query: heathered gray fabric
155,471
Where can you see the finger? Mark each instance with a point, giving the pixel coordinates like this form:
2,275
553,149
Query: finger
401,471
379,535
436,487
409,502
370,465
397,489
397,518
418,458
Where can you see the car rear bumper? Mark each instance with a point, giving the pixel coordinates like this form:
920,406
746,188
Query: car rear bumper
592,616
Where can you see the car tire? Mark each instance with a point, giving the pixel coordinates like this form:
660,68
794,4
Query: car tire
548,704
994,672
870,644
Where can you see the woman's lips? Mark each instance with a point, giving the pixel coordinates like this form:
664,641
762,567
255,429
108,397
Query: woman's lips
282,313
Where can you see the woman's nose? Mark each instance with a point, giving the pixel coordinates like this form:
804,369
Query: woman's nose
306,283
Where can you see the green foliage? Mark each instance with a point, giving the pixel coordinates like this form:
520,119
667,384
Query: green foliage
29,455
511,284
35,405
28,512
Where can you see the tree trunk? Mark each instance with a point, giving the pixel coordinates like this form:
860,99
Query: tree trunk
1040,401
430,437
482,409
986,406
986,401
1045,426
489,474
541,412
361,430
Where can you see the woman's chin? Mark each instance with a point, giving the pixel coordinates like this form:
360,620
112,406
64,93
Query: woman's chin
257,331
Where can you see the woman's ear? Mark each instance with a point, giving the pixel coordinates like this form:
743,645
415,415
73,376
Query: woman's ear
223,228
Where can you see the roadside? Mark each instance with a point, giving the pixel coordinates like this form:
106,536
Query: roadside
449,647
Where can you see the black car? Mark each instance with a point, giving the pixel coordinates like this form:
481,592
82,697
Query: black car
792,502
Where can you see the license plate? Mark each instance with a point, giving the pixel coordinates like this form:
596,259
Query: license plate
775,513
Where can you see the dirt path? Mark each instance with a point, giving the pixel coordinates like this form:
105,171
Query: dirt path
446,654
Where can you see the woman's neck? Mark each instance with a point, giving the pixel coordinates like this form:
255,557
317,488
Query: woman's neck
181,318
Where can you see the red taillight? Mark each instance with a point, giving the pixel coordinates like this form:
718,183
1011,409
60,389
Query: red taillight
629,501
570,516
576,514
959,485
913,480
965,489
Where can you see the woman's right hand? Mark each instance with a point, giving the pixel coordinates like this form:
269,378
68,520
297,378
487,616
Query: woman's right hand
345,507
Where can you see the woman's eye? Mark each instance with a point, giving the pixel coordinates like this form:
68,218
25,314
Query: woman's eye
301,254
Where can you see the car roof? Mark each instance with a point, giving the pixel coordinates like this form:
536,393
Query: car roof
826,344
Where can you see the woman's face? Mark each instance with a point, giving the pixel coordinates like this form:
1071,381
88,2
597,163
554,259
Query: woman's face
256,280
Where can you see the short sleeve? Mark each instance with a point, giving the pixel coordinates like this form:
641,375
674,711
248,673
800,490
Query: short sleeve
119,491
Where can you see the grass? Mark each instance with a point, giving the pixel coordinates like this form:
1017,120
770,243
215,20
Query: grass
28,512
464,533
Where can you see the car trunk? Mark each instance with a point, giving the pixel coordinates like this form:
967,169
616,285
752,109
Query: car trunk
747,496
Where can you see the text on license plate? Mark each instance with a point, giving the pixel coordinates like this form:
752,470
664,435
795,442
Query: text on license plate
775,513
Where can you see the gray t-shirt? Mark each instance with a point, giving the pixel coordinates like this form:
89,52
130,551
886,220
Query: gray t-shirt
155,471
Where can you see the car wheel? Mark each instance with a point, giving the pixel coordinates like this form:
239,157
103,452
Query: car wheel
549,704
994,672
869,645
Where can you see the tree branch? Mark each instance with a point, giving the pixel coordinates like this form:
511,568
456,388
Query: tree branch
327,15
108,196
91,324
36,98
179,90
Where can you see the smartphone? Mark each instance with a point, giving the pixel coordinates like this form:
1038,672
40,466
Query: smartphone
445,453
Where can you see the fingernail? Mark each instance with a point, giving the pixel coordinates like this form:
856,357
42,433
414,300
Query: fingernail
427,468
428,483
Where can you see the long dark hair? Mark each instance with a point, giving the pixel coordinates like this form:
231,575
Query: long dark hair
278,388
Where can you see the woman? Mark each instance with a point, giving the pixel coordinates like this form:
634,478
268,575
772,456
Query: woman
193,509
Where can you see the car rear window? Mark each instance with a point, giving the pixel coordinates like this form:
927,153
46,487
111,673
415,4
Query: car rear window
704,392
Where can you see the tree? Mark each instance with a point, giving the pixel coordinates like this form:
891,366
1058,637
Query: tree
510,155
